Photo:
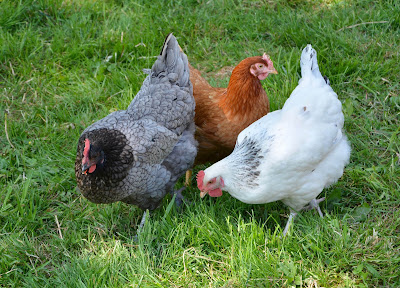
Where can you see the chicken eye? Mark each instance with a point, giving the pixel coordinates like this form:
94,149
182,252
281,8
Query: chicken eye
260,66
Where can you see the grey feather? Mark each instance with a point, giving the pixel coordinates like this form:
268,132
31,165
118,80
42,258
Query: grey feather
148,146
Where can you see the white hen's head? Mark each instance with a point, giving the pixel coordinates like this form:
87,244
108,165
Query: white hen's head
209,184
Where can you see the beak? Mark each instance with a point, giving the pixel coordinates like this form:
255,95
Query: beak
202,194
273,71
85,167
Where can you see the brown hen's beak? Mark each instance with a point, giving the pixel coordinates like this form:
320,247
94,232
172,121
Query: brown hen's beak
273,71
203,193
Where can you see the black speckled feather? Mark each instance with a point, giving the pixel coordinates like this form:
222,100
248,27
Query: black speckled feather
250,157
98,186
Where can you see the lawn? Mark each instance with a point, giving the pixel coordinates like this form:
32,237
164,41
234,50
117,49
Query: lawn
66,64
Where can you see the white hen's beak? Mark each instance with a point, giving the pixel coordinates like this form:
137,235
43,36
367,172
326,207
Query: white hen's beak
203,193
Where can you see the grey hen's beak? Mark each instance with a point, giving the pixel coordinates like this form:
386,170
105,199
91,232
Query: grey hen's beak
85,167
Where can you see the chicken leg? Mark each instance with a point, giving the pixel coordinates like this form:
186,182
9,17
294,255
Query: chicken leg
188,178
142,222
179,199
314,204
289,222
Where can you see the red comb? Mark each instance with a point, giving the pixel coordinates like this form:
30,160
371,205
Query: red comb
86,148
200,178
266,58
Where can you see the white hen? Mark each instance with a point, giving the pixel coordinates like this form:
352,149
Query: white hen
290,154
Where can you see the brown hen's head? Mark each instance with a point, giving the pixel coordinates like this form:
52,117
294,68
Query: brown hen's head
262,67
258,67
246,100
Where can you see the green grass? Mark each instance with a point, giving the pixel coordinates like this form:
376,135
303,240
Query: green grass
55,80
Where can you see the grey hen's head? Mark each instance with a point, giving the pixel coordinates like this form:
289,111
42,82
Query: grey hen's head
103,160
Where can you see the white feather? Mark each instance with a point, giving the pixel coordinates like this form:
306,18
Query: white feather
303,146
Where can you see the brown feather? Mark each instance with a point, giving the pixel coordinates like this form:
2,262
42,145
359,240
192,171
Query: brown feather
222,113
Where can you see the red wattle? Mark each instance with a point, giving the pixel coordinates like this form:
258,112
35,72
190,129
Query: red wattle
215,193
92,168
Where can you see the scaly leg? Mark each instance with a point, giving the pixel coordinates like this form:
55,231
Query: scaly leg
142,222
179,197
290,220
314,204
188,178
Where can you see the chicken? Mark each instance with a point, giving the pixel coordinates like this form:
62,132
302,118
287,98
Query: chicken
290,154
137,155
222,113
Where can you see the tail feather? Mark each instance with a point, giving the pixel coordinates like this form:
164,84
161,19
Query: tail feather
309,63
173,62
165,43
166,95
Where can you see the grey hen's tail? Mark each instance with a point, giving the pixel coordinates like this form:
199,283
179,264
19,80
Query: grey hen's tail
166,96
173,63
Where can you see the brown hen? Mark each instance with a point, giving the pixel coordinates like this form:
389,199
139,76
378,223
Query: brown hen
222,113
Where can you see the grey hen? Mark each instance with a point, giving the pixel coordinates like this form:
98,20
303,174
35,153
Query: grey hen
137,155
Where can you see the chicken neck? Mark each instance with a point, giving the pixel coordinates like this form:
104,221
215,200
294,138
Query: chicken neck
245,99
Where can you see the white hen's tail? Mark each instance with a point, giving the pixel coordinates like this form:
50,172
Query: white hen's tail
309,64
